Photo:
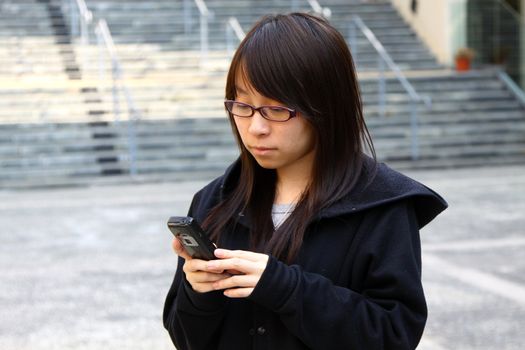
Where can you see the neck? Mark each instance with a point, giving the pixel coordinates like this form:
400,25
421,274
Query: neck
291,184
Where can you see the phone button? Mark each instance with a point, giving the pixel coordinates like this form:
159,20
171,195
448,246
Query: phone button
260,331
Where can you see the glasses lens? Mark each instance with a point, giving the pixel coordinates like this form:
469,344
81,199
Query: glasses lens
239,109
276,113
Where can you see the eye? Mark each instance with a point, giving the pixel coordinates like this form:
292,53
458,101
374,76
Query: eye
241,109
277,113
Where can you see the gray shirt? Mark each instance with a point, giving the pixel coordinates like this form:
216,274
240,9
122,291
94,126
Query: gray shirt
280,212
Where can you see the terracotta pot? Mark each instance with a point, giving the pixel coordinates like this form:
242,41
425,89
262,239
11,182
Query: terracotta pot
462,64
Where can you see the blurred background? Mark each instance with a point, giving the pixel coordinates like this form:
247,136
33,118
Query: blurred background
111,117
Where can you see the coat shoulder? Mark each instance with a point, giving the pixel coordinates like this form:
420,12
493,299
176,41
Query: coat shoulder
389,185
381,186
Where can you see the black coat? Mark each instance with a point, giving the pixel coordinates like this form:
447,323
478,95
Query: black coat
356,283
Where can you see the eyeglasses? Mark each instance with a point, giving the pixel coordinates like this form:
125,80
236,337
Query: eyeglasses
273,113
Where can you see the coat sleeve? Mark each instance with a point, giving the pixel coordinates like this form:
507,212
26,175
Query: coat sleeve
383,307
193,320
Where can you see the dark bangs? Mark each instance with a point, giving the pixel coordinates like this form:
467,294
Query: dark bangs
274,58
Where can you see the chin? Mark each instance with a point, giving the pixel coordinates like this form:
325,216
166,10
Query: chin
266,163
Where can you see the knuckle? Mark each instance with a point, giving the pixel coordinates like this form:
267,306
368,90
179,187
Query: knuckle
189,266
234,280
237,262
198,288
185,268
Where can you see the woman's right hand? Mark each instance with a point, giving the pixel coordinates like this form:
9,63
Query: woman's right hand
196,272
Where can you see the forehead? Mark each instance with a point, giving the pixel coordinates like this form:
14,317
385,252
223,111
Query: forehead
243,87
243,84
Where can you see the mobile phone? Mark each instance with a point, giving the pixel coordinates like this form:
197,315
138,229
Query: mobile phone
192,237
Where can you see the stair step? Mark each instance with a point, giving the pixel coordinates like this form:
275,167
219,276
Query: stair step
473,119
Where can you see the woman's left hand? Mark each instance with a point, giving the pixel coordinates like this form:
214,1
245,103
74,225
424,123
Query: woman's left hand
249,265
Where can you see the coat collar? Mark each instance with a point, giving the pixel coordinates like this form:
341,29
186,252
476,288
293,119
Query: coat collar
378,185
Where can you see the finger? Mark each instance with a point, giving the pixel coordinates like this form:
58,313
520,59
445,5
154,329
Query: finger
179,249
243,254
237,281
236,264
193,265
206,277
238,292
202,287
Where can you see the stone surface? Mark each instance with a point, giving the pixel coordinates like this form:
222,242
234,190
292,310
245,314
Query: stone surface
88,268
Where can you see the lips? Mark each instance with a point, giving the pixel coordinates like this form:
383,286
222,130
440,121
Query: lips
261,150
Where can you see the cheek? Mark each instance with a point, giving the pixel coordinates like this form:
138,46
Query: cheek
303,138
241,127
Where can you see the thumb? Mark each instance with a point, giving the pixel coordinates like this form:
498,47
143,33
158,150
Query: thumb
179,249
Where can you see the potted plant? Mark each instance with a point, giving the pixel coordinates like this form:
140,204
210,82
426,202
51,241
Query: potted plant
463,58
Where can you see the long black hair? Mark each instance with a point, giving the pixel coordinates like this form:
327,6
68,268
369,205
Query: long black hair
303,62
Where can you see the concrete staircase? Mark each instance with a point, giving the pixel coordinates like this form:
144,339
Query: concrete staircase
162,22
57,125
68,154
474,121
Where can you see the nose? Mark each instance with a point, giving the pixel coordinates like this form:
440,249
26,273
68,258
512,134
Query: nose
258,125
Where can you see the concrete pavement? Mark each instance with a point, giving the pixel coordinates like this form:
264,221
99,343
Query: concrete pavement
88,268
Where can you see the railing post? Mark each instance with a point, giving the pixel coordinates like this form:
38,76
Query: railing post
84,29
132,119
381,87
100,57
132,144
229,39
188,21
352,39
115,93
74,18
204,17
414,129
204,39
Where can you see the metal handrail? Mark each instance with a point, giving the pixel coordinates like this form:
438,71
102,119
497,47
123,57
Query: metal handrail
79,10
205,14
105,39
203,9
234,26
316,7
384,57
512,86
510,10
103,29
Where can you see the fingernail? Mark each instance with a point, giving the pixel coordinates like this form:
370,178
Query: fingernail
212,265
219,251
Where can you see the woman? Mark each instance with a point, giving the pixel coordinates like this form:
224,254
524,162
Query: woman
320,245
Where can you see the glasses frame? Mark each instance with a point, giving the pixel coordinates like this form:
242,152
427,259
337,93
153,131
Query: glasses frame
260,109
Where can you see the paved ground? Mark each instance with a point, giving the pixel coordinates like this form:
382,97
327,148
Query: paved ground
88,268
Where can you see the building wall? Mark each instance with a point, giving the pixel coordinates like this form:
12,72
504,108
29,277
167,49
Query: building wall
440,24
522,9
